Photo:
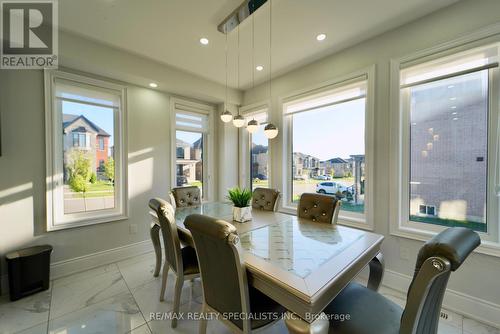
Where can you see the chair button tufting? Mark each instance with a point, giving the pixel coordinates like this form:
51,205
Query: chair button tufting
314,219
182,201
263,197
188,194
315,205
305,210
324,213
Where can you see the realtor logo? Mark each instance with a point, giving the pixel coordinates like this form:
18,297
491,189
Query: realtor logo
29,34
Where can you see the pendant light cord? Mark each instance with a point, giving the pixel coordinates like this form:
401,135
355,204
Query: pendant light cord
225,107
270,47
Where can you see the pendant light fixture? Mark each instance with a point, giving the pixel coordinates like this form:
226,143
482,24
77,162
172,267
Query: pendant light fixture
238,120
271,131
226,116
253,125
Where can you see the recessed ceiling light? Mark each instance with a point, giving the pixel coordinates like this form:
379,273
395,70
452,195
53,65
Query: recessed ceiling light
259,68
321,37
204,41
453,98
153,85
453,107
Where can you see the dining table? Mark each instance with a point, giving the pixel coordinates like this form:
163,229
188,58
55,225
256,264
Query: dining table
299,263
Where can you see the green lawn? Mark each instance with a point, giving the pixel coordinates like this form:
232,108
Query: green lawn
476,226
98,189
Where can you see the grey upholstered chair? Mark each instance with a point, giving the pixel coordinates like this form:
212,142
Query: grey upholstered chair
224,277
370,312
265,199
182,261
179,197
318,208
186,196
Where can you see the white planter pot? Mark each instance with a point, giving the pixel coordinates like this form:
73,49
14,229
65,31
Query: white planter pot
242,215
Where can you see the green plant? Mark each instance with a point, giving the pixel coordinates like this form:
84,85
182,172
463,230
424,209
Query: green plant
109,169
93,178
240,197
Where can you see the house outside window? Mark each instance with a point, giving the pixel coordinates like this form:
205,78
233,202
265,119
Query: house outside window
326,145
101,143
85,184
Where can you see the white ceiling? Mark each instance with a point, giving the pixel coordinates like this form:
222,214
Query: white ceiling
168,31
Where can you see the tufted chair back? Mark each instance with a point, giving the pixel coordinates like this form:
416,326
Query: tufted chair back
186,196
265,199
318,208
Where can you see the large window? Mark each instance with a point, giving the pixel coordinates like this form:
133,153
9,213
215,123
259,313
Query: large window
192,137
85,179
448,145
326,145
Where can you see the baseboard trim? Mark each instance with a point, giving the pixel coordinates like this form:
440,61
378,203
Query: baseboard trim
458,302
86,262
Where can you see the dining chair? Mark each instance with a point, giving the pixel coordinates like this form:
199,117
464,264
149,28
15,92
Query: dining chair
182,261
318,208
224,278
370,312
185,196
179,197
265,199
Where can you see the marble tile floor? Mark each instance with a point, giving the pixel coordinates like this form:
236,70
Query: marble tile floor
119,298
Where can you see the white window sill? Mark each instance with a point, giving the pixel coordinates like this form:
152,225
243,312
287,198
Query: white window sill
486,247
87,222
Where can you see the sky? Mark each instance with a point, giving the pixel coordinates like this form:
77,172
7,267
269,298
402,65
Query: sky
331,132
325,133
102,117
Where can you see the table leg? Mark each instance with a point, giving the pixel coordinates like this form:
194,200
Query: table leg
155,237
297,325
376,272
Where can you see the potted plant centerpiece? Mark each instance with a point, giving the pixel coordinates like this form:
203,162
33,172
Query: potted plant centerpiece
242,211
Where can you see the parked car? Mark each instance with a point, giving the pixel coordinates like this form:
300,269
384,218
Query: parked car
321,177
299,177
261,177
334,188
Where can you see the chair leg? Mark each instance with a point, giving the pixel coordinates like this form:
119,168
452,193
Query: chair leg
203,320
166,268
177,299
154,232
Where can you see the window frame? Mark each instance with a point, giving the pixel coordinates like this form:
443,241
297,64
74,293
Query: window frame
205,109
362,221
54,155
399,167
245,144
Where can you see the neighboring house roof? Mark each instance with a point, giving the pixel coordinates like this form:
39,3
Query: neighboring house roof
70,119
198,144
338,161
182,143
304,156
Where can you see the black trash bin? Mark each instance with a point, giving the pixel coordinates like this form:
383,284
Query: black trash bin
29,271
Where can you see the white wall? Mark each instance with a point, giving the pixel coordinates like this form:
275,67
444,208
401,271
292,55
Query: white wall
479,276
22,164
